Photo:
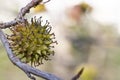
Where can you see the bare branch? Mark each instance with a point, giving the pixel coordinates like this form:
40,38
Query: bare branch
77,76
20,17
7,24
27,8
46,2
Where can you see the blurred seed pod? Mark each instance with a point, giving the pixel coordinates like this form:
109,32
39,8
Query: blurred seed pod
85,7
31,42
40,8
90,72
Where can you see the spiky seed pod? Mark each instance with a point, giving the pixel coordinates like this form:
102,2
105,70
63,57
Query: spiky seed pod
31,42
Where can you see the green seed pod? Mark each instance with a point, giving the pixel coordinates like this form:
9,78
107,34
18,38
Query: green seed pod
31,42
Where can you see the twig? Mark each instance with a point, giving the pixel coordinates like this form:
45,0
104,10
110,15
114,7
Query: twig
21,14
8,24
27,8
77,76
46,2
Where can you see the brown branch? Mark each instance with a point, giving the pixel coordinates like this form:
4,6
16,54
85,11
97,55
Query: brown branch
46,2
77,76
8,24
27,8
20,17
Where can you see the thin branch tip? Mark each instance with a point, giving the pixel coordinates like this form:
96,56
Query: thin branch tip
46,1
77,76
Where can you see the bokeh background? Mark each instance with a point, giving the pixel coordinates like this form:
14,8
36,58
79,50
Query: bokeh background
88,35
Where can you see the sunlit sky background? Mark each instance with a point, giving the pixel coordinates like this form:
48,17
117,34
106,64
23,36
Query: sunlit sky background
104,11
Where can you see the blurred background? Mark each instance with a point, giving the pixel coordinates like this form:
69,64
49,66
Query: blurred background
88,35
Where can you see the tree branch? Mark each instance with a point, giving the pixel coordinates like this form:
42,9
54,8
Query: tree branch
27,8
23,66
77,76
21,14
8,24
